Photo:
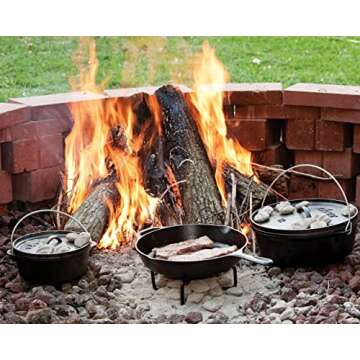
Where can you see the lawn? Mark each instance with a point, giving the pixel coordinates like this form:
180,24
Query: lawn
42,65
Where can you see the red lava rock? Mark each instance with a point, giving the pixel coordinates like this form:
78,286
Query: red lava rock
345,276
193,317
41,316
22,304
37,304
316,277
287,294
274,271
354,283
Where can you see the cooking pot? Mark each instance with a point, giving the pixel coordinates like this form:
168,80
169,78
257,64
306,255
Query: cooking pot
307,247
48,268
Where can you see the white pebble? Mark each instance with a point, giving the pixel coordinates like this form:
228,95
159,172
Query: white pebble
44,249
301,224
82,240
268,209
261,216
71,237
323,217
302,204
318,224
345,210
284,208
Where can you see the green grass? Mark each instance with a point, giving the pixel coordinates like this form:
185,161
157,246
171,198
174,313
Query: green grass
43,65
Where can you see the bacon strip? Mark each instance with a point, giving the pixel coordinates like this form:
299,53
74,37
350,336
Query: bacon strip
183,247
204,254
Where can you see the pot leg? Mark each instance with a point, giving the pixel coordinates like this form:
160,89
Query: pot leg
182,292
235,276
153,282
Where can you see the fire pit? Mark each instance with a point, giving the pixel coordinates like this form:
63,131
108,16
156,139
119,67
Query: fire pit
171,156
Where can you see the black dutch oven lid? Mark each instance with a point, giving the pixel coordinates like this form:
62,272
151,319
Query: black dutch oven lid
278,223
27,244
281,224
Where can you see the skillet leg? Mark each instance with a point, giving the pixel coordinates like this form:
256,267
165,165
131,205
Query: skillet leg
235,276
182,292
153,280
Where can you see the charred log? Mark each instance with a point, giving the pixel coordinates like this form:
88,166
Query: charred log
244,186
188,160
93,213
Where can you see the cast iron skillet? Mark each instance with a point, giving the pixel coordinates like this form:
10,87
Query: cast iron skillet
189,270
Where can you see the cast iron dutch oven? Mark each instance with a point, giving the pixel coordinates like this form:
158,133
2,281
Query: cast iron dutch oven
48,268
309,247
189,270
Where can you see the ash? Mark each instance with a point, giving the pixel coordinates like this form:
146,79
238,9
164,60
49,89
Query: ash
117,289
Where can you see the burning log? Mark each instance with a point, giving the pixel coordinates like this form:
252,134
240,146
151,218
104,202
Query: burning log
94,212
244,186
188,160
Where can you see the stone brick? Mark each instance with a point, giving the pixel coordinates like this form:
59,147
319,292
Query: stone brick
341,115
309,157
344,164
5,188
329,190
274,155
51,149
38,185
5,135
356,143
358,190
302,187
255,134
12,114
334,96
253,93
300,134
19,156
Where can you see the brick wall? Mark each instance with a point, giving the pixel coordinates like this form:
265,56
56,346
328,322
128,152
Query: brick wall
318,124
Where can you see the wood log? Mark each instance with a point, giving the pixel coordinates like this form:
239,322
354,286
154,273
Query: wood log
243,186
188,160
93,213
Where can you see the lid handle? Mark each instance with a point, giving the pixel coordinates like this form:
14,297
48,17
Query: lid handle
348,225
43,211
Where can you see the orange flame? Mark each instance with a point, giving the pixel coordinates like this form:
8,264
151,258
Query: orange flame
209,78
90,154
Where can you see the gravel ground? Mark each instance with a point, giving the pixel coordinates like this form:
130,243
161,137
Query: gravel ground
117,289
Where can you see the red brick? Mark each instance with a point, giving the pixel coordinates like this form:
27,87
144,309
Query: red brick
332,136
20,155
5,188
37,185
5,135
309,157
35,129
356,143
334,96
57,106
128,92
300,134
274,155
12,114
253,93
255,134
341,115
358,190
302,187
329,190
51,150
276,112
344,164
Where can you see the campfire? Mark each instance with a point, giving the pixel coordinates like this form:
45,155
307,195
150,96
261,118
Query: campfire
162,159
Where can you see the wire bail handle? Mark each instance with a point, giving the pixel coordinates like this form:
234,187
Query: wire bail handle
348,225
43,211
